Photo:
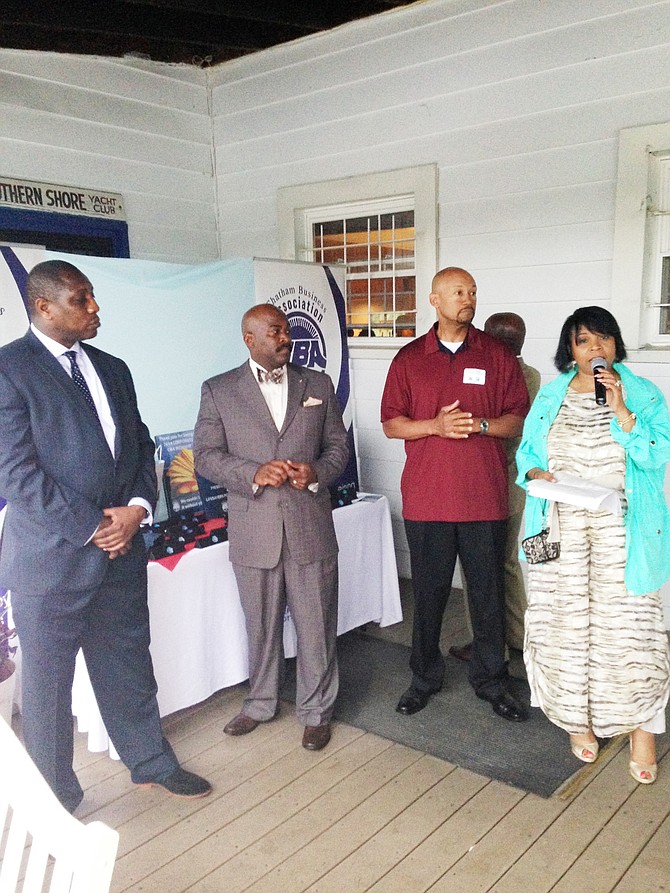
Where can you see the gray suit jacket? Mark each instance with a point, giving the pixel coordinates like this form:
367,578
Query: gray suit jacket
57,473
235,434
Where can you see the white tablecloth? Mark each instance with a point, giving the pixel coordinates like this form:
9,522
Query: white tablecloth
199,642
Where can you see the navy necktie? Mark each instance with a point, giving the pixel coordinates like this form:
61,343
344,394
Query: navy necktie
80,381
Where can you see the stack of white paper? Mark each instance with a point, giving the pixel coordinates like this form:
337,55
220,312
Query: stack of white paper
575,491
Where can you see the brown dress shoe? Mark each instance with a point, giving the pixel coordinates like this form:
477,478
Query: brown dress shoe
241,725
316,737
461,652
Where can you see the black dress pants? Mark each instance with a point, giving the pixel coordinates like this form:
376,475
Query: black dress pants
434,547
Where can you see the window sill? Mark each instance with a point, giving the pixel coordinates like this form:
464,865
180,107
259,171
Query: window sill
365,347
649,354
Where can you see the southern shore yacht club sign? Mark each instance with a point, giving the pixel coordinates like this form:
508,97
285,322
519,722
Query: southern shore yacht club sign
28,195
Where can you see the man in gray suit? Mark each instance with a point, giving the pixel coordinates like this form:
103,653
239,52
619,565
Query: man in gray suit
77,471
272,433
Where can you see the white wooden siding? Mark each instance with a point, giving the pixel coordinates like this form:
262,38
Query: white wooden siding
518,102
140,129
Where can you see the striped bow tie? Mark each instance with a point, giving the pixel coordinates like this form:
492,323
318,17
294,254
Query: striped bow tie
276,375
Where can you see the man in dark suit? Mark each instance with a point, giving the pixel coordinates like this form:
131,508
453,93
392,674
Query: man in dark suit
77,471
272,433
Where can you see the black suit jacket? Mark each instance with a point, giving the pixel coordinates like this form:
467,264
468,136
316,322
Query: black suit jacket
57,473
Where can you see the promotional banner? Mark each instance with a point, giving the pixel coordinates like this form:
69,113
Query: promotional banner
14,266
176,325
312,297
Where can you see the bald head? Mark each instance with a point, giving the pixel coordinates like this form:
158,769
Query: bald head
448,274
259,314
454,297
508,328
267,334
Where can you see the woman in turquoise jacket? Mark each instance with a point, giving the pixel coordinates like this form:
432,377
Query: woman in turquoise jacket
596,650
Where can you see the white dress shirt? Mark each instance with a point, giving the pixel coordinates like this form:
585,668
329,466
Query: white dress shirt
91,378
274,393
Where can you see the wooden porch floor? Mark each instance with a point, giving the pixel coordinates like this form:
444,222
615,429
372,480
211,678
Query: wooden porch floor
366,814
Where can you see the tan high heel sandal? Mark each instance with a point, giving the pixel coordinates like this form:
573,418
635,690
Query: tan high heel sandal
643,773
586,751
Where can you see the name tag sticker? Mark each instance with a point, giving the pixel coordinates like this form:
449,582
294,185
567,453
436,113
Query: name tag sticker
474,376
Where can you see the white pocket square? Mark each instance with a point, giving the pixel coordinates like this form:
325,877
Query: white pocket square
312,401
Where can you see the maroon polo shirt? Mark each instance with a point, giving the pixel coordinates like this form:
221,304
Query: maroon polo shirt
446,479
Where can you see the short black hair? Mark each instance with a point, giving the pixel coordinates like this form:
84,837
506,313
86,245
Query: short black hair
46,279
596,320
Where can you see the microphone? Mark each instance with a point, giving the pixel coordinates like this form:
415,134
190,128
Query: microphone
598,363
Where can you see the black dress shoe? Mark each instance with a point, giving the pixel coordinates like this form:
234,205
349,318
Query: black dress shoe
412,701
182,783
506,706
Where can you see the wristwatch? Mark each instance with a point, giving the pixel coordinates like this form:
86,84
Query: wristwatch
483,426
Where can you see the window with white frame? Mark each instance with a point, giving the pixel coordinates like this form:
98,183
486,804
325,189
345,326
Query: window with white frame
383,227
641,266
375,241
658,215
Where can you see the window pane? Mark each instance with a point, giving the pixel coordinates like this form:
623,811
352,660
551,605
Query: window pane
665,297
371,245
398,220
360,224
332,256
405,290
331,227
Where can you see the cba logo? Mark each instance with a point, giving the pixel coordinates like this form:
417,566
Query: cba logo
309,346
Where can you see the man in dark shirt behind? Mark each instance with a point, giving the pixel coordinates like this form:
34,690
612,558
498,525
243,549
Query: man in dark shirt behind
511,330
454,395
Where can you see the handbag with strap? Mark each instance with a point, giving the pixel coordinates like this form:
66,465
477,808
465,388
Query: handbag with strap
539,548
545,545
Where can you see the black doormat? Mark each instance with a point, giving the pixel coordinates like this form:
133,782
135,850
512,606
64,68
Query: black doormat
455,726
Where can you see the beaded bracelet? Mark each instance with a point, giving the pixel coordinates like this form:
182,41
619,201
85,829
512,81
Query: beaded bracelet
628,418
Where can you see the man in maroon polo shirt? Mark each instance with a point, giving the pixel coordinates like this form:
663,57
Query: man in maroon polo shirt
454,395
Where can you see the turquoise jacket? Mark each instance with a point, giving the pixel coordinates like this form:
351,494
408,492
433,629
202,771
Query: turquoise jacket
647,449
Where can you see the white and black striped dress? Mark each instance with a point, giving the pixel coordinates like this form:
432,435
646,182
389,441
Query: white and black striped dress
597,658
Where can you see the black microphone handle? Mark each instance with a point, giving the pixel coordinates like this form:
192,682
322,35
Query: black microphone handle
601,392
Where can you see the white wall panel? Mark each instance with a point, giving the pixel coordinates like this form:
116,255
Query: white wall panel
532,209
436,45
576,243
120,140
519,103
82,103
470,88
143,130
117,77
580,163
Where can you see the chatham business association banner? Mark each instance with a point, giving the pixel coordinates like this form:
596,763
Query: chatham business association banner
312,297
176,324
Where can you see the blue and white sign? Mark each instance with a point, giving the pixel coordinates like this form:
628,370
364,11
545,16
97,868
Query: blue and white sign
14,266
312,297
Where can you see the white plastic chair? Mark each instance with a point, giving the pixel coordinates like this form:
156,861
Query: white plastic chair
43,847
